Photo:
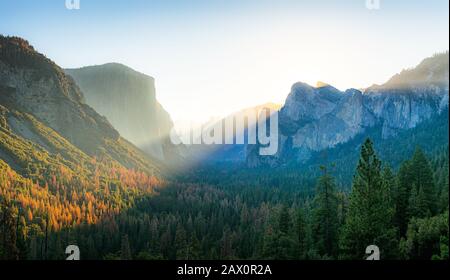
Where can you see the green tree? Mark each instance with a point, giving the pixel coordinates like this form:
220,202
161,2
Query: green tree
422,178
8,246
284,222
325,216
426,238
369,218
125,253
417,203
181,243
402,197
301,227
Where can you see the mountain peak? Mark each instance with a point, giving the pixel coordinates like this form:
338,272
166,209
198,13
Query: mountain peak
17,52
321,84
36,85
15,41
433,70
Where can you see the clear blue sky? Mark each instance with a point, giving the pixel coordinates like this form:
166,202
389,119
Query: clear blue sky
210,58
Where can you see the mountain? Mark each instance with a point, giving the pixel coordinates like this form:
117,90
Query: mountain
61,163
317,118
32,83
43,109
232,153
127,99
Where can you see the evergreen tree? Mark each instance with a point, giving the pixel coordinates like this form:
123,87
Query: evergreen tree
402,197
417,203
390,186
32,252
284,220
301,227
194,248
325,216
270,245
125,253
423,179
426,238
443,200
8,246
369,218
181,243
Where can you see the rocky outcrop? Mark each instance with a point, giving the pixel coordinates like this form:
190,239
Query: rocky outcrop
29,82
127,99
316,118
43,112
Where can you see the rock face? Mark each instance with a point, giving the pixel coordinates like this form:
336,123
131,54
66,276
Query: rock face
29,82
316,118
43,117
127,99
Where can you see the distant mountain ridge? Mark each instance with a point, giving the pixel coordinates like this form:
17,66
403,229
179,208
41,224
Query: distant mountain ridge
127,99
228,152
318,118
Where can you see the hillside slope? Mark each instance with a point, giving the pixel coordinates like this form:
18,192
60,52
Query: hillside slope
30,83
61,163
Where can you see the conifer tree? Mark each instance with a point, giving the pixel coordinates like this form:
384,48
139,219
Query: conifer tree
181,243
125,253
369,218
8,245
423,179
284,220
402,197
301,227
325,216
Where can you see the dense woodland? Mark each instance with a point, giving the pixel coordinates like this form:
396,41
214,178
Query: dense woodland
404,211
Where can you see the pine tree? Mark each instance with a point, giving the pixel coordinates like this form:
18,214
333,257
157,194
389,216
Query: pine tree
369,218
270,244
284,220
181,243
8,245
417,207
22,236
32,253
125,253
402,197
91,250
325,216
423,179
301,227
443,199
226,245
390,186
194,248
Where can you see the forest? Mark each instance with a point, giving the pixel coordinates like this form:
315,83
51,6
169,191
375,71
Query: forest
218,213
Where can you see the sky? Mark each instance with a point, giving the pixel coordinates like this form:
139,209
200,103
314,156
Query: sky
210,58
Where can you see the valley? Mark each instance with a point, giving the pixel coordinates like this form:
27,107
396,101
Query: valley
86,159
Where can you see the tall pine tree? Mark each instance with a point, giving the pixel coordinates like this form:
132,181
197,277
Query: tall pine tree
369,218
422,178
8,234
325,216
